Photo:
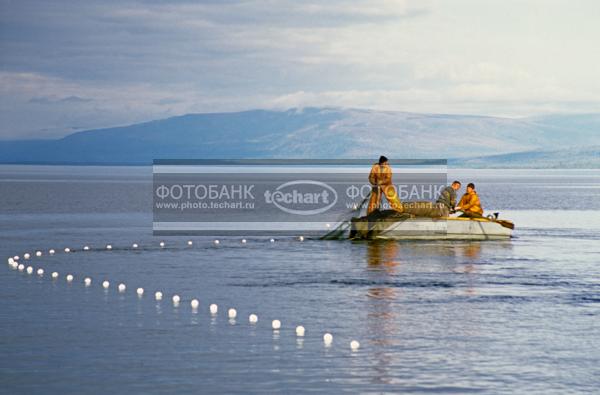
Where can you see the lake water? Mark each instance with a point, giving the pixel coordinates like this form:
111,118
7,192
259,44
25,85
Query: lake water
516,316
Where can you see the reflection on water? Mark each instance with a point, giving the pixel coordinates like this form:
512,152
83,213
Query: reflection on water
383,259
472,250
383,255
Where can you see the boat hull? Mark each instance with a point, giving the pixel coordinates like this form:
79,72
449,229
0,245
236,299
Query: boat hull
433,229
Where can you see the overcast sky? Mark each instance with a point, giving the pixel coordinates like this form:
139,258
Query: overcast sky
68,65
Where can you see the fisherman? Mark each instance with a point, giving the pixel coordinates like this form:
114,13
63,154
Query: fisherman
381,181
447,199
469,203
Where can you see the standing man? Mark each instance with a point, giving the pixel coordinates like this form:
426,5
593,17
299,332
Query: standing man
381,182
469,204
447,198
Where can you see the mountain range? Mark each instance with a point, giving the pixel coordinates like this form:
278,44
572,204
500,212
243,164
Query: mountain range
475,141
574,158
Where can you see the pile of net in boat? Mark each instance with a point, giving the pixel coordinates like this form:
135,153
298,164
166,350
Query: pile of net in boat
426,209
378,221
375,223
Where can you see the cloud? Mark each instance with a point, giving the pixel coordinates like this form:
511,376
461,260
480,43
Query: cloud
163,41
51,100
35,105
103,63
465,99
284,13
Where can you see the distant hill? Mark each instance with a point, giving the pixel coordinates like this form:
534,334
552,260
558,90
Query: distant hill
574,158
310,133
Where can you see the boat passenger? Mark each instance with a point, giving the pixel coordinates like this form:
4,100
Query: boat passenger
469,203
448,197
381,181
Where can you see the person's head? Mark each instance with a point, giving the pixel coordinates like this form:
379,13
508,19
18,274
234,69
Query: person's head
456,185
383,160
470,187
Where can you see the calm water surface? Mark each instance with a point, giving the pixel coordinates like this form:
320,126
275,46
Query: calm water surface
518,316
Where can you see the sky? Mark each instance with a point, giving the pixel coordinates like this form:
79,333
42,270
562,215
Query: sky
69,65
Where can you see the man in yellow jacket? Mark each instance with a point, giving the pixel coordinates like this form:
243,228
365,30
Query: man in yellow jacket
381,181
469,203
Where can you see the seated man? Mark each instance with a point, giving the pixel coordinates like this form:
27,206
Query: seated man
447,199
469,204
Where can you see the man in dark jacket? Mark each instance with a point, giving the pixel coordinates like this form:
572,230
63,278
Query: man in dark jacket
448,196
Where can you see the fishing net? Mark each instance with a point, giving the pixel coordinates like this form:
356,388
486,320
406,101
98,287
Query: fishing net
426,209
